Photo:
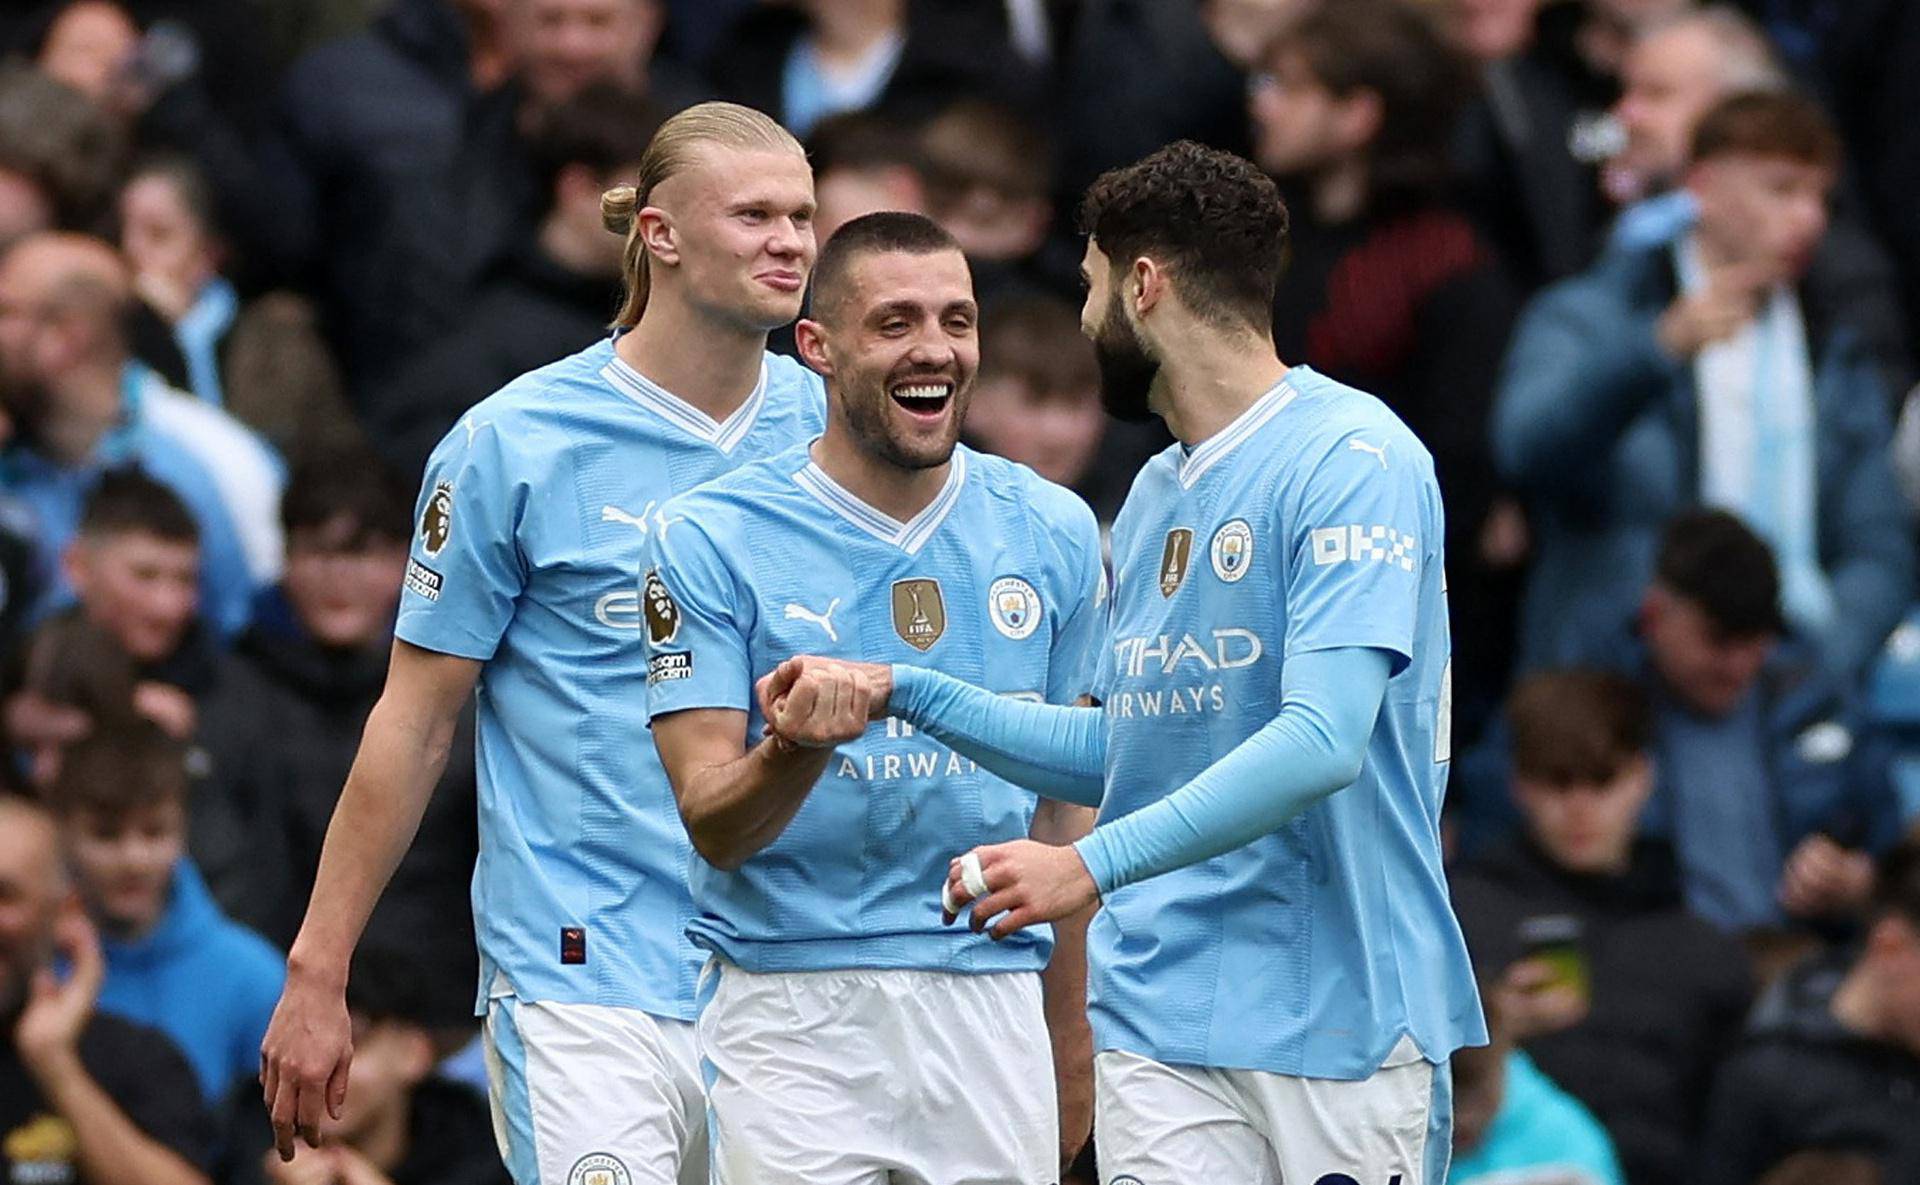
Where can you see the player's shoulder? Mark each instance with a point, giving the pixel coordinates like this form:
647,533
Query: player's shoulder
1332,418
1021,489
531,417
788,377
756,485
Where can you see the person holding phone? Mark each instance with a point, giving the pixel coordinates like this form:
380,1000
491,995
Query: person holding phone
1608,983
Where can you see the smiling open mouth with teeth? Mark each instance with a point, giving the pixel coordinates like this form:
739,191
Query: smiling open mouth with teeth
923,398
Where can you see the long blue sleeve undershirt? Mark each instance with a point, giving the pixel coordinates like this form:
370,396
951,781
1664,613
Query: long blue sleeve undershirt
1054,751
1329,700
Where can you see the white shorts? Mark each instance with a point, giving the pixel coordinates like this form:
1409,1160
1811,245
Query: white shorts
589,1095
878,1078
1187,1125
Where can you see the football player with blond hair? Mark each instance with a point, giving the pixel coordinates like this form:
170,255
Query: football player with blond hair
534,513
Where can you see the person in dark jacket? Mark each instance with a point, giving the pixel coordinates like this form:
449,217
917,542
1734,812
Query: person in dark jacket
1608,983
174,961
1766,782
1831,1059
908,58
279,733
1698,372
399,1125
85,1098
1390,288
553,296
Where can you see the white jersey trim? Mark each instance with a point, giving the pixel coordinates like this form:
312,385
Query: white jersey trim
1215,448
909,536
723,435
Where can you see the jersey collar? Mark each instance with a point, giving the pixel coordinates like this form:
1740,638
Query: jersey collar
723,435
1215,448
909,536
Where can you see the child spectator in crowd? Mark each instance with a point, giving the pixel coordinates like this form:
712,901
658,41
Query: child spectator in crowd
863,163
1037,401
1513,1126
1563,916
278,734
85,1098
173,960
1831,1061
400,1125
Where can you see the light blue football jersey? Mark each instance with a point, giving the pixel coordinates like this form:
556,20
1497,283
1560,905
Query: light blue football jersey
1312,522
533,520
998,582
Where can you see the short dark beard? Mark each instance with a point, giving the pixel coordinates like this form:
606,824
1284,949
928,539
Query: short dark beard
1127,371
866,413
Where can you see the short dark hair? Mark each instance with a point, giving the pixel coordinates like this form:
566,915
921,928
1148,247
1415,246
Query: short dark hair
1037,340
127,501
386,986
861,140
1214,220
605,127
1768,123
1392,49
1897,884
978,141
1711,558
885,232
114,771
349,483
189,183
1576,727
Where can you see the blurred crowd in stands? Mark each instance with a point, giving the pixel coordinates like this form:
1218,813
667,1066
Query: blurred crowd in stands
1643,274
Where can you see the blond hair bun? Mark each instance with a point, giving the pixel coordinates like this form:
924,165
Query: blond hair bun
617,207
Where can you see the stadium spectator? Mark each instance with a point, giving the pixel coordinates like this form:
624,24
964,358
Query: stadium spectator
1387,286
1243,30
353,123
1135,75
279,733
85,46
1523,166
1766,786
168,235
132,566
85,1098
1701,371
1564,916
1513,1126
66,679
803,62
553,294
1037,401
1673,74
400,1125
989,181
80,405
59,156
1831,1060
450,228
863,163
173,960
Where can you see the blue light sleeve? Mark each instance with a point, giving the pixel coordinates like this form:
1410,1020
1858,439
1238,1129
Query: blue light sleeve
1054,751
1329,699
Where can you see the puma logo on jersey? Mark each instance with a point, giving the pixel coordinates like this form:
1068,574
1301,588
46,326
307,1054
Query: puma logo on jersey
1378,452
613,514
797,612
473,426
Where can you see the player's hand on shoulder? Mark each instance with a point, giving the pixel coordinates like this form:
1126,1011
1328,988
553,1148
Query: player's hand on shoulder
1016,885
824,703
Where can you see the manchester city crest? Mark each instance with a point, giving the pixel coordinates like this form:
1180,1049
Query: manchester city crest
1232,550
1013,607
